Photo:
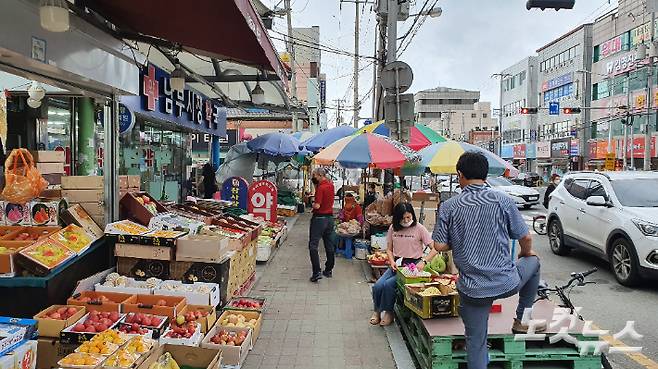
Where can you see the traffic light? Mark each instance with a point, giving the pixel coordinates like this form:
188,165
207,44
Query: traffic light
550,4
571,111
528,110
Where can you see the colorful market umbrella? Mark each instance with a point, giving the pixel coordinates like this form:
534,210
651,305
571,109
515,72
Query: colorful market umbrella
441,158
420,135
326,138
274,144
366,150
302,135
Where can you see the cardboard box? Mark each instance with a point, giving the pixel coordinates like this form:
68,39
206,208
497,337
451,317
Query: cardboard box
43,156
123,182
53,179
156,332
147,304
10,336
33,234
190,357
26,355
127,250
199,248
94,209
116,303
193,341
78,196
428,307
248,316
191,292
83,182
132,287
10,232
28,260
143,268
76,214
124,191
231,355
8,263
52,327
51,194
51,351
29,324
50,168
134,182
206,322
133,209
200,272
69,336
16,214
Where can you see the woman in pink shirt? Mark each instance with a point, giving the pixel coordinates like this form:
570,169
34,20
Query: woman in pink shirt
406,242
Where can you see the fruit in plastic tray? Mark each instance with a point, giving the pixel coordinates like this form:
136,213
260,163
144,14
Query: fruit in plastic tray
410,271
139,345
133,329
97,347
111,336
121,359
41,216
80,359
165,362
245,303
15,215
238,320
125,227
185,330
73,237
224,337
47,252
97,322
191,316
165,234
61,313
99,299
144,319
430,291
184,287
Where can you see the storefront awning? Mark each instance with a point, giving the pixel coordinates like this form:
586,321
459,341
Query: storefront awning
230,29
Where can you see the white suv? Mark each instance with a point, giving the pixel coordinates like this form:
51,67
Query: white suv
612,214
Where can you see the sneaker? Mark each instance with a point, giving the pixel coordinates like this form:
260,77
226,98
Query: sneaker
316,277
328,273
519,327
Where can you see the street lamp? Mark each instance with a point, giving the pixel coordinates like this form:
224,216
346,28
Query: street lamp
432,13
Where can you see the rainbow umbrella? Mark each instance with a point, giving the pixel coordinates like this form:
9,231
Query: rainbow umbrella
420,135
441,158
366,150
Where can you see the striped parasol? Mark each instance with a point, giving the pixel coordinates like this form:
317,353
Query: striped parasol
367,150
442,157
420,135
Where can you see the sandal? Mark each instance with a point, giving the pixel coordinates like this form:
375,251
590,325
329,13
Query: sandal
388,319
376,318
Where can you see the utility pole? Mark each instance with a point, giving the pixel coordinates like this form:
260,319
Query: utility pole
293,74
501,76
357,108
651,6
378,112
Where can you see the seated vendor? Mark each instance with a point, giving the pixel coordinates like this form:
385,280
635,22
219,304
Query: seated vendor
406,241
351,209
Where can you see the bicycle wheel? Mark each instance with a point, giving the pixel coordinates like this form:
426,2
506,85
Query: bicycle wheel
539,225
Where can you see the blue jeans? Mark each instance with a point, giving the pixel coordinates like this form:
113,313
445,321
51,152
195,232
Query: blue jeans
475,312
383,291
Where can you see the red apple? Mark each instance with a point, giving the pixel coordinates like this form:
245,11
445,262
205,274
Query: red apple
56,316
79,327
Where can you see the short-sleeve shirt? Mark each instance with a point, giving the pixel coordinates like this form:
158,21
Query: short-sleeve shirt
478,225
409,242
324,196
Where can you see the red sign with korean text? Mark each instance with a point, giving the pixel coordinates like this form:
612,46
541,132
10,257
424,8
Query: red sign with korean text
263,200
519,151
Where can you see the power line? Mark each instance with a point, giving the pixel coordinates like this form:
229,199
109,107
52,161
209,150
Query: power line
415,32
320,47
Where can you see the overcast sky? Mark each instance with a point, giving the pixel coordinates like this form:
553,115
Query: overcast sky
461,49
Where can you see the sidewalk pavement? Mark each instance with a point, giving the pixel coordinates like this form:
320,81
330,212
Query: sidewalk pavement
316,325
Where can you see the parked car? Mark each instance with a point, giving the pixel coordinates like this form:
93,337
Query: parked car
523,196
612,214
528,179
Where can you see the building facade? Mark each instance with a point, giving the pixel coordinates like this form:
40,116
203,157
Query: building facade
453,112
310,82
621,78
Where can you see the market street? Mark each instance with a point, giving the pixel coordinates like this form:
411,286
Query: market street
607,303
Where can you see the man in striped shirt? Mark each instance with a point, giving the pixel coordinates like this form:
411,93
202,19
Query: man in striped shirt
478,225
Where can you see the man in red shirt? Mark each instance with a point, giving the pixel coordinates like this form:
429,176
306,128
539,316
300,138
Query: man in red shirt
322,225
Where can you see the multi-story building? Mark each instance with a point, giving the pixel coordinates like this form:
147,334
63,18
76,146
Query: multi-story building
453,112
310,89
620,77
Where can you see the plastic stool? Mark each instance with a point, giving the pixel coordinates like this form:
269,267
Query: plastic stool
346,250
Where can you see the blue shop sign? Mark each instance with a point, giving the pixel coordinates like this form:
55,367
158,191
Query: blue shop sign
234,190
187,109
557,82
531,151
126,119
507,152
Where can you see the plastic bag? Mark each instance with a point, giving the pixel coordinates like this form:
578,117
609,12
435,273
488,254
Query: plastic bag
23,182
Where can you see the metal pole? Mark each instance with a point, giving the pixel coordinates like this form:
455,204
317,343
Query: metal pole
381,52
375,68
392,31
357,108
397,104
293,74
647,130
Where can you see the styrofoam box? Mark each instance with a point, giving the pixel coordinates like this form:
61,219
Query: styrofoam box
129,288
263,252
193,341
193,298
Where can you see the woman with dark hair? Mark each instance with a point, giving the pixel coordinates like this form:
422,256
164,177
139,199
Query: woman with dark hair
208,184
406,240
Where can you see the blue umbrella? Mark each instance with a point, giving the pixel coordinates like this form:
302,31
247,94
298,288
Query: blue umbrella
326,138
274,144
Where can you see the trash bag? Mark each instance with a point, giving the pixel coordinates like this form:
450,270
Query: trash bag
23,182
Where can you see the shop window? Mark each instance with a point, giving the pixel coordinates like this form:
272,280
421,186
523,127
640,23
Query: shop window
638,79
596,54
626,41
